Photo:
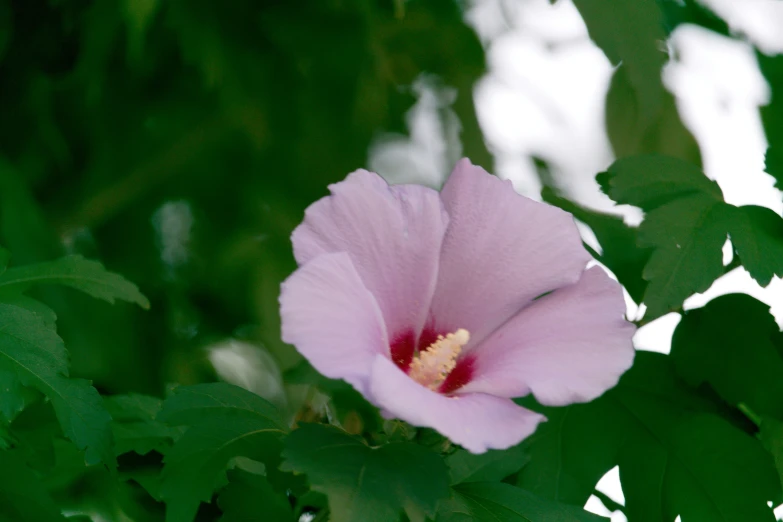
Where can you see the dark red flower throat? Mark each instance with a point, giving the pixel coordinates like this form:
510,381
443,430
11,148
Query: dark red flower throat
404,347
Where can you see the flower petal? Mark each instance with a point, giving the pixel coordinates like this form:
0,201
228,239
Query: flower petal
332,319
393,235
476,421
501,251
569,346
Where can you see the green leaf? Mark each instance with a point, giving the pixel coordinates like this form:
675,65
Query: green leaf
224,422
69,466
757,236
641,116
652,425
772,437
192,404
688,236
132,406
618,241
134,425
249,498
581,442
702,468
31,349
649,181
499,502
77,272
5,256
772,115
195,466
363,482
148,477
13,394
37,307
637,126
685,225
631,34
571,452
493,465
23,496
774,164
731,343
34,432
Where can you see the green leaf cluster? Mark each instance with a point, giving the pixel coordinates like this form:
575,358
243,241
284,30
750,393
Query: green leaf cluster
685,226
677,250
34,372
226,448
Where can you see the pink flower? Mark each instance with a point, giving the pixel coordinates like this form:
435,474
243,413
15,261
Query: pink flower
431,304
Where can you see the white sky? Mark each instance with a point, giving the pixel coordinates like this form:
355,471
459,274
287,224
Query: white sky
544,96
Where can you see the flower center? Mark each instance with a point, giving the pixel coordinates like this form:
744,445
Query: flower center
431,366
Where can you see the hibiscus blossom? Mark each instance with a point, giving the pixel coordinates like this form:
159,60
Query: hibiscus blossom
441,307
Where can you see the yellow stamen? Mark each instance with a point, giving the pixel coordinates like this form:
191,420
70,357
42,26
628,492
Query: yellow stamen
431,366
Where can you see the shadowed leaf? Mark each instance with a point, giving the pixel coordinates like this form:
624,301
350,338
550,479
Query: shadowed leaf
223,422
676,453
732,343
77,272
359,479
249,497
23,495
32,350
499,502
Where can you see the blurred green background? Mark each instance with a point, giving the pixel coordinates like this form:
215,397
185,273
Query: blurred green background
179,143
